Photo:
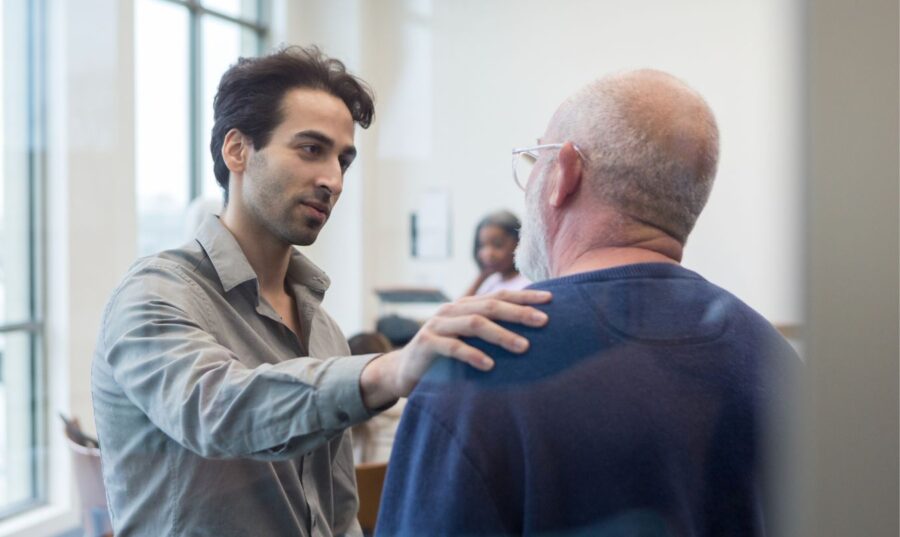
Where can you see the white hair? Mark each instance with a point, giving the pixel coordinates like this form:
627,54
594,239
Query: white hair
652,144
532,257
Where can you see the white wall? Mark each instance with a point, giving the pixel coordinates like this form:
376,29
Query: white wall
91,205
460,83
90,233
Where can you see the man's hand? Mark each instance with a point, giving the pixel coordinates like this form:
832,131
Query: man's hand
396,373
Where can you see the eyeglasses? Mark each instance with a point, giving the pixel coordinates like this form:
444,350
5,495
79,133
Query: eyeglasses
524,159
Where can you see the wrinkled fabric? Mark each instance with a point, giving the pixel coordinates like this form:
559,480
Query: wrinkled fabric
213,417
643,408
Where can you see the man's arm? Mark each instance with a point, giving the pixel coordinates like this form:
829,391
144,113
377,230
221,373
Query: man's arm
156,347
396,373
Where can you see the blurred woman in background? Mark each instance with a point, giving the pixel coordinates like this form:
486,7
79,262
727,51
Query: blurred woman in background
496,239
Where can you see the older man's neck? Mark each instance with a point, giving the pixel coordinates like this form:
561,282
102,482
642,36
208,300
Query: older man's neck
653,249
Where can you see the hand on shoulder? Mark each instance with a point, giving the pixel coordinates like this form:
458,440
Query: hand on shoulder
396,373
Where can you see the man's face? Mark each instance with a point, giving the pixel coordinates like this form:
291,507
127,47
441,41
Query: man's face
532,257
291,185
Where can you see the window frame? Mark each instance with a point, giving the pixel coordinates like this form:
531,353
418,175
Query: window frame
34,325
198,139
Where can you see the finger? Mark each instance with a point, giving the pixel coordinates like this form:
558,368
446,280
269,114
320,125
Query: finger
480,327
524,296
497,310
456,349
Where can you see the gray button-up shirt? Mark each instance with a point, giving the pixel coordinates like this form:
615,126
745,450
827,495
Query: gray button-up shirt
213,417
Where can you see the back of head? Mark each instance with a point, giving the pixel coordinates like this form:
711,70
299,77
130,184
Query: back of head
652,145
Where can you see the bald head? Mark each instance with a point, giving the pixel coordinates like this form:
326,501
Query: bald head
652,146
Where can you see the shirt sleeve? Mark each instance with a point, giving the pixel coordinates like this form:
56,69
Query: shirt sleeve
432,487
159,352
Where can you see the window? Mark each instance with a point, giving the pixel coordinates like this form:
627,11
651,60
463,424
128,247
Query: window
181,50
22,422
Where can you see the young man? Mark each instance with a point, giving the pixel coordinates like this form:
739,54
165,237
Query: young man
642,407
222,391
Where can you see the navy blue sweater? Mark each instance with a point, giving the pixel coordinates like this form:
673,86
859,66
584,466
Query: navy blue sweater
638,410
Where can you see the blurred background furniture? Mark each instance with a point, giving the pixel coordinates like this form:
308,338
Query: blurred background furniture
408,303
369,482
85,452
790,331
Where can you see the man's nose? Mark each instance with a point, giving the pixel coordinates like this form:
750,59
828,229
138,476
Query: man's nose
332,179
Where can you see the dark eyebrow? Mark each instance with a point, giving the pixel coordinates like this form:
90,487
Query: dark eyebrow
324,140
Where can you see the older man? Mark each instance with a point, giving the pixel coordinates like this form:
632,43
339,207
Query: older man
639,410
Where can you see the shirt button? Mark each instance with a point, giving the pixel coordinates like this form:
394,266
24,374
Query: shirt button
342,416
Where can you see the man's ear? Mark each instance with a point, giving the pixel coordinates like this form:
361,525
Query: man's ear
570,169
236,151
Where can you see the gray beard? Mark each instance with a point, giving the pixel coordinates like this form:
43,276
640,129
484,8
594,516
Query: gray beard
532,258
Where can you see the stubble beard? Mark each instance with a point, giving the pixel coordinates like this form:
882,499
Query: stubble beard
277,214
532,258
298,234
299,231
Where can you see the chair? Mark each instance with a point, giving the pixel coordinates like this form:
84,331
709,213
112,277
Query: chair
790,331
88,479
369,482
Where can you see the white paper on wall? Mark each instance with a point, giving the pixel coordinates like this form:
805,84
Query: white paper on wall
431,226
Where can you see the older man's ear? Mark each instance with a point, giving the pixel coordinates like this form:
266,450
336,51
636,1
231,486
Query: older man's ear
570,167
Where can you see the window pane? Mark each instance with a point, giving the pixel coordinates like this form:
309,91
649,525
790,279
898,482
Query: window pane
223,43
17,464
19,410
162,102
15,210
243,9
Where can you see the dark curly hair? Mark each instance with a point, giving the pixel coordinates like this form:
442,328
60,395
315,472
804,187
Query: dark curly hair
250,94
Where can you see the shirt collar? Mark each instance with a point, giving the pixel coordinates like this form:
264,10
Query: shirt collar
232,266
303,271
